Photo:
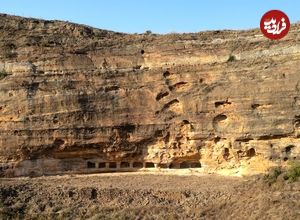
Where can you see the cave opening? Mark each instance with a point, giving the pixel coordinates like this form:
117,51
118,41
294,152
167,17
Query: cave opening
173,165
149,165
196,165
166,74
91,165
239,153
58,142
288,152
226,153
251,152
125,164
112,165
288,149
184,165
102,165
137,165
163,165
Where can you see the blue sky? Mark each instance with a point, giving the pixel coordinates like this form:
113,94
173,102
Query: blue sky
159,16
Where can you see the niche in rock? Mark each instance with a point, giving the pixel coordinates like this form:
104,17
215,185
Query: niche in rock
220,122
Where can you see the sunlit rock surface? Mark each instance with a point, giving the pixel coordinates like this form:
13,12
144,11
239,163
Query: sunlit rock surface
78,99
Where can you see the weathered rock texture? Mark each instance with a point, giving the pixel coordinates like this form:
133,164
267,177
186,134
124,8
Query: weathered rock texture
79,99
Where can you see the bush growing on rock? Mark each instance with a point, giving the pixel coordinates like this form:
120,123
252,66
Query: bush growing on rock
3,74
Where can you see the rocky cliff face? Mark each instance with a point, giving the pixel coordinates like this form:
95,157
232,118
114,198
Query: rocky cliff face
79,99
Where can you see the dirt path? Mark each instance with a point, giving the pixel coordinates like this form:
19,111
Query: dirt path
148,196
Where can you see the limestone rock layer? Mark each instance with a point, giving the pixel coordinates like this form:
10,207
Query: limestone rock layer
79,99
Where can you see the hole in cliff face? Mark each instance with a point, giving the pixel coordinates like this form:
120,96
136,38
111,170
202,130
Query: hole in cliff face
150,165
222,103
288,149
288,152
219,122
163,166
251,152
297,122
94,194
83,100
167,137
217,139
112,165
161,95
91,165
125,165
255,106
170,104
220,118
179,86
174,165
239,153
31,87
184,165
55,120
166,74
111,88
125,128
58,142
186,122
137,165
196,165
142,51
102,165
226,153
158,133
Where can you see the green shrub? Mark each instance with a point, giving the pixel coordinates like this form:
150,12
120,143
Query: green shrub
231,58
148,32
273,174
293,172
3,74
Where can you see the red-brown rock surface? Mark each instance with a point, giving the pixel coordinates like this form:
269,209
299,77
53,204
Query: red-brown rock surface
74,98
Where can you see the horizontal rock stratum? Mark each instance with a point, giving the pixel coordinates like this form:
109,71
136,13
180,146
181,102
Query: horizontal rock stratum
79,99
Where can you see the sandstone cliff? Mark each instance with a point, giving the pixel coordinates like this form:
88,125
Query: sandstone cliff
78,99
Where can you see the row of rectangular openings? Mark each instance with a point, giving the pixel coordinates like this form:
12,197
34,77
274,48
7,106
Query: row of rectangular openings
91,165
184,165
113,165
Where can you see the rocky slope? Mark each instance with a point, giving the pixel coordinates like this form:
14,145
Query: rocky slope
78,99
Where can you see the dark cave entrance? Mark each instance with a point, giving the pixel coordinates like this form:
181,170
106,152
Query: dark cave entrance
137,165
112,165
102,165
184,165
226,153
149,165
125,165
251,152
91,165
